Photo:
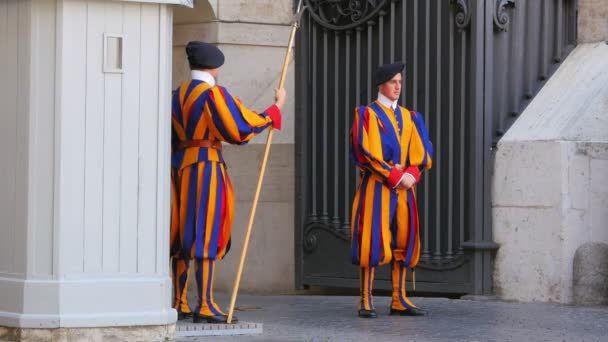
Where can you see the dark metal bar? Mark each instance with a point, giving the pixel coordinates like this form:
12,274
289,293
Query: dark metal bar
531,46
415,54
503,107
484,282
461,145
522,20
358,85
302,146
476,144
448,253
559,34
313,180
403,52
370,28
544,29
381,38
358,66
347,112
324,213
392,41
426,253
570,25
517,36
336,212
437,143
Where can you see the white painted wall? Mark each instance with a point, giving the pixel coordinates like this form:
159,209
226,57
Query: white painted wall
109,140
13,125
84,171
550,187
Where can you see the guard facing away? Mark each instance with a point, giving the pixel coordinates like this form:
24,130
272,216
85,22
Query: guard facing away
204,115
390,146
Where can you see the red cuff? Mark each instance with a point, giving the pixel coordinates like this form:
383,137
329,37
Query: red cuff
414,171
394,177
275,115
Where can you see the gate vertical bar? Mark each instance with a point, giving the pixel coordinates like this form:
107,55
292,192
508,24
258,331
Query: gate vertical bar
302,70
324,212
347,112
426,254
571,24
522,37
336,212
415,57
358,84
502,98
533,40
392,42
437,150
462,160
369,83
544,29
448,253
403,51
381,38
559,34
486,209
313,112
476,148
517,36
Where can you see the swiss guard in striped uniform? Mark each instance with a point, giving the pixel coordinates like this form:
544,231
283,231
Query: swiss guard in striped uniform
391,147
204,115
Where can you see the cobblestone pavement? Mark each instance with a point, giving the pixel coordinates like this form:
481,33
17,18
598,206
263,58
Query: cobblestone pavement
334,318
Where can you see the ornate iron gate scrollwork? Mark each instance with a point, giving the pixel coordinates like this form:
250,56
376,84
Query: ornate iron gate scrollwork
462,14
341,15
501,16
460,76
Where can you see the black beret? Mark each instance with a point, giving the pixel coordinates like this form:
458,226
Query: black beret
203,55
387,72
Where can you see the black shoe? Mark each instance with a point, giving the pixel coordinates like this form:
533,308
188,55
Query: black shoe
184,315
217,319
368,313
409,312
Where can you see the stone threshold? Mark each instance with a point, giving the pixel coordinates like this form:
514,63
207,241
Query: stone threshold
188,329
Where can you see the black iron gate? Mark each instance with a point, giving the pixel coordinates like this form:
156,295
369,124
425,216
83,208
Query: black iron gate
471,68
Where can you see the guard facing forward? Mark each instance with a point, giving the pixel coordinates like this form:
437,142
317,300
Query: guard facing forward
390,146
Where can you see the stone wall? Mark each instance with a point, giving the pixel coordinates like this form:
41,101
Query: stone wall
592,21
253,36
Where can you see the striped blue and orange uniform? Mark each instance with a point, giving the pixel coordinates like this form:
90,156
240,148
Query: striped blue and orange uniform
386,144
202,205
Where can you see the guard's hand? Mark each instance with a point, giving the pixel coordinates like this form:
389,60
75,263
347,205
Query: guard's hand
279,97
406,182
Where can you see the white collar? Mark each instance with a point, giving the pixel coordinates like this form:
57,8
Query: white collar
387,102
203,76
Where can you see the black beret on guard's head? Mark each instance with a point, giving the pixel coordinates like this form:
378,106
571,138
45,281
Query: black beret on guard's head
203,55
387,72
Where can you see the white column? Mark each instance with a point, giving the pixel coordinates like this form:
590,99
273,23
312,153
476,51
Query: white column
84,164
